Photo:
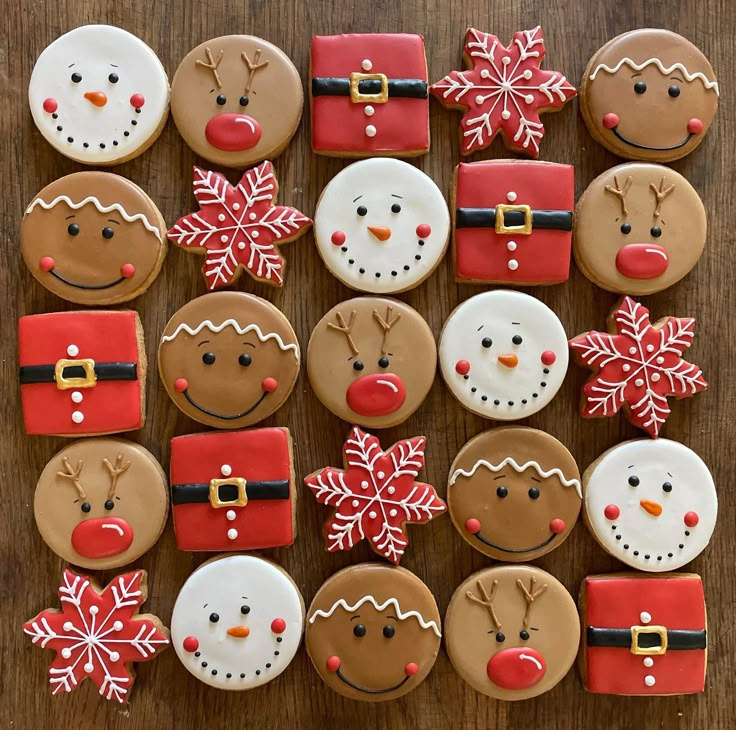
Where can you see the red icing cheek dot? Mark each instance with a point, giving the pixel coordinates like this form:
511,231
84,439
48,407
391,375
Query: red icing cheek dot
190,644
127,271
548,357
46,263
137,101
557,526
278,626
338,238
610,120
181,384
269,384
423,230
462,367
611,512
691,519
472,526
695,126
50,105
333,663
411,669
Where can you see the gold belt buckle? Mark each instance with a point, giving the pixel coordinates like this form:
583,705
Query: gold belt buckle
88,381
637,631
215,485
525,229
355,96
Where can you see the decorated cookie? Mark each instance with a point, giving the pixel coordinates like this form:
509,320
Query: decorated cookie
237,100
237,622
229,359
93,238
372,361
238,227
503,90
373,632
98,633
99,95
512,632
512,222
503,354
514,493
101,503
649,94
637,366
639,228
381,226
82,373
643,635
375,495
233,491
369,95
651,504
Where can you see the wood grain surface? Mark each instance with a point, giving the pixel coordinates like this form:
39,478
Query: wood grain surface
166,695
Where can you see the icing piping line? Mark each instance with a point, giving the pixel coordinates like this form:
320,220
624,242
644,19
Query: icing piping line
666,70
379,607
101,208
510,461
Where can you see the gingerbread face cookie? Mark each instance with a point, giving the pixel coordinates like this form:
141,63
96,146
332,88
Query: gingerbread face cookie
503,354
237,100
649,94
372,361
99,95
373,632
228,360
651,504
514,493
639,228
93,238
381,226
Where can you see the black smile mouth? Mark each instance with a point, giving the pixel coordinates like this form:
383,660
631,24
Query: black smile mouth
220,415
90,287
371,691
647,147
514,550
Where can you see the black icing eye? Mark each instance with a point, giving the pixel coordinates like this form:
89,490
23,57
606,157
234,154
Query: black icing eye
516,339
245,610
640,87
389,631
383,362
107,232
221,100
396,208
359,631
86,507
76,77
533,493
626,228
214,617
109,504
655,231
502,492
245,359
208,358
674,91
361,210
500,636
486,342
358,365
72,229
113,78
634,481
667,487
244,101
524,634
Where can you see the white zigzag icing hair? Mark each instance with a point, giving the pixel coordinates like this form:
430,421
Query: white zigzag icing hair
100,207
206,324
379,607
666,70
510,461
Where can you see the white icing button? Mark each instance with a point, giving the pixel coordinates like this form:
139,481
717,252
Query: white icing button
655,377
94,610
638,382
391,490
506,60
224,237
511,245
632,350
230,514
479,99
660,360
527,74
68,626
367,65
650,681
511,196
355,503
370,130
221,217
252,216
226,470
241,245
77,397
72,351
369,111
114,656
513,264
364,485
648,661
650,348
505,114
77,416
118,626
232,533
645,617
528,98
88,667
393,513
236,206
380,474
66,652
626,367
372,515
255,234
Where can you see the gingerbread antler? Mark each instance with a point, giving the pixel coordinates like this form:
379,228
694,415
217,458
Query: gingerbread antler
72,474
486,600
660,194
253,66
386,325
530,596
212,65
620,192
346,329
115,472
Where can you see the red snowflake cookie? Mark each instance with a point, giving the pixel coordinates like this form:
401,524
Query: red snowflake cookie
639,364
375,495
503,90
98,633
239,226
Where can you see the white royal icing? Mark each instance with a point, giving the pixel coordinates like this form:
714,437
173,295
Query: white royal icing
373,184
493,315
664,70
653,462
96,51
222,587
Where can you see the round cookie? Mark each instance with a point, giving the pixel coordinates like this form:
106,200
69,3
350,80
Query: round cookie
373,632
639,228
652,504
649,94
93,238
237,622
237,100
514,493
512,632
503,354
372,361
99,95
381,226
101,503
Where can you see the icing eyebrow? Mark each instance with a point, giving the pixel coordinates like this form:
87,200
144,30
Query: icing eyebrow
534,479
633,76
204,342
71,64
69,216
632,466
250,344
516,323
392,616
676,78
534,628
393,195
669,475
244,597
111,220
357,615
205,605
114,65
480,328
500,476
358,198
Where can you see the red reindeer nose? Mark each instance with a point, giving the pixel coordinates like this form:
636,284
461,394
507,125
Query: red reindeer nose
517,668
98,98
382,233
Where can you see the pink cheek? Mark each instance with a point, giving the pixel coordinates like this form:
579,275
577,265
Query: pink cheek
691,519
269,384
472,526
333,663
338,238
424,230
278,626
695,126
610,120
137,101
50,105
462,367
548,357
190,644
46,263
127,271
181,384
557,526
611,512
411,669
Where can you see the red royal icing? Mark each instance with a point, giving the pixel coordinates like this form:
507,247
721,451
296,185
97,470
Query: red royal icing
642,260
181,384
233,132
46,263
269,384
102,537
695,126
50,105
518,668
333,663
378,394
610,120
411,669
472,525
557,526
127,271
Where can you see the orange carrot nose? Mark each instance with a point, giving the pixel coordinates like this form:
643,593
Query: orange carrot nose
653,508
510,361
239,632
97,98
382,233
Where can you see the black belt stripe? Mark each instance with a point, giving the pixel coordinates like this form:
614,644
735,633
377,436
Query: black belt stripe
677,639
550,220
200,493
104,371
397,88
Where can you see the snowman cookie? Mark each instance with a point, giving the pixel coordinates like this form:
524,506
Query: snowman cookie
228,359
99,95
503,354
381,226
101,503
237,100
514,493
373,632
93,238
639,228
372,360
237,622
651,504
649,94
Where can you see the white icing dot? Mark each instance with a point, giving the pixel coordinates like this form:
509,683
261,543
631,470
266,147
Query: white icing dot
639,382
391,490
513,264
506,60
645,617
66,652
485,73
655,377
479,99
355,503
626,367
393,513
77,416
241,245
224,237
528,98
380,474
118,626
511,245
648,661
660,360
368,110
226,470
72,351
68,626
221,217
114,656
236,206
370,131
366,65
650,348
252,216
505,114
77,397
527,74
94,610
232,533
230,514
650,681
89,667
632,350
372,515
364,485
511,196
255,234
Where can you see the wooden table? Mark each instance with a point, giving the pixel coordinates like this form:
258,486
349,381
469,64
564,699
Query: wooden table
167,696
